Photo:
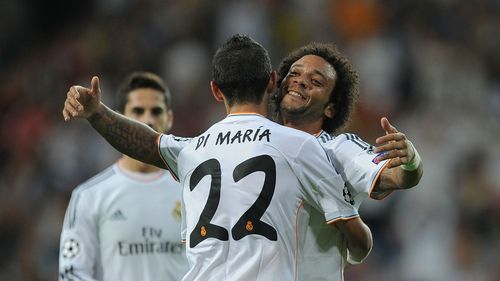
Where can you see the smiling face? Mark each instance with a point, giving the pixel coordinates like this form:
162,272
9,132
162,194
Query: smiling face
306,90
148,106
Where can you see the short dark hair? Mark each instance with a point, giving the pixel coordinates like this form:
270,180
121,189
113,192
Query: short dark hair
140,80
241,68
346,90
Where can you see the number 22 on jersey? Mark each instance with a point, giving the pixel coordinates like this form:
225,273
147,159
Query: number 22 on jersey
249,223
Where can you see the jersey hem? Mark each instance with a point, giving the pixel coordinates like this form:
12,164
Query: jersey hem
343,218
377,176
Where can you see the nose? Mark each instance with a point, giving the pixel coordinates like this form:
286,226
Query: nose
299,80
148,118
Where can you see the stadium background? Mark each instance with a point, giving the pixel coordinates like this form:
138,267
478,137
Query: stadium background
432,67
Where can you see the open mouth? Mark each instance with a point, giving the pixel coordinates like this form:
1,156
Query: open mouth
296,94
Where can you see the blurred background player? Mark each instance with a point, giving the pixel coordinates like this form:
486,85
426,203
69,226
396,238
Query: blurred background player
124,223
317,91
235,231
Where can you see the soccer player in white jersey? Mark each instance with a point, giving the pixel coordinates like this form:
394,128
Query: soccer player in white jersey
243,180
317,90
124,223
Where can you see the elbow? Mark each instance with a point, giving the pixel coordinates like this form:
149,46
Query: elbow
365,243
357,253
359,243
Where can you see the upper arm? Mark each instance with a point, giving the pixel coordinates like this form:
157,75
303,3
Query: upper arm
169,147
79,243
358,165
356,229
323,186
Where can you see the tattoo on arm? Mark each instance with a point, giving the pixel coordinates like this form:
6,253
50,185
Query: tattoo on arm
396,178
128,136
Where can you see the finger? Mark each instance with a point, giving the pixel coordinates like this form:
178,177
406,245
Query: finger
70,108
78,92
74,92
393,163
71,99
95,85
391,155
396,162
391,146
389,129
391,137
66,115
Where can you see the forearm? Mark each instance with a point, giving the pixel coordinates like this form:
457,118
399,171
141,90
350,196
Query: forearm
126,135
360,247
409,179
403,176
359,238
397,178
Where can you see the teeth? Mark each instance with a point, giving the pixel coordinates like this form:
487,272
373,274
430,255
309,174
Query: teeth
293,93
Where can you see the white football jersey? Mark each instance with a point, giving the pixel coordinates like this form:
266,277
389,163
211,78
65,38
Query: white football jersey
324,247
123,226
244,181
356,162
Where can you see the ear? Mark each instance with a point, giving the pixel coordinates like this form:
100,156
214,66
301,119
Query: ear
216,92
271,85
329,111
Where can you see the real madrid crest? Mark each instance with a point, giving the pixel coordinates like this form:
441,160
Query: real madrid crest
176,212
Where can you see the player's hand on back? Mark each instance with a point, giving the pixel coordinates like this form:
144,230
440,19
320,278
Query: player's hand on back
82,102
394,145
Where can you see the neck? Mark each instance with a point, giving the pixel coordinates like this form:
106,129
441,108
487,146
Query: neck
248,108
311,127
133,165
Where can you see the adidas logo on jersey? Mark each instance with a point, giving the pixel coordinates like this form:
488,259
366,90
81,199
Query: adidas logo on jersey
117,216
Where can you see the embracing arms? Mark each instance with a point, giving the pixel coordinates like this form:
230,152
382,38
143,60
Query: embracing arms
405,168
359,238
128,136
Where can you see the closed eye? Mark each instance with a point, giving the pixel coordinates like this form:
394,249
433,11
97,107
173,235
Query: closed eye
316,82
292,74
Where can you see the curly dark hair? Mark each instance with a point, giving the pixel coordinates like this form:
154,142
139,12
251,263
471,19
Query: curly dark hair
345,92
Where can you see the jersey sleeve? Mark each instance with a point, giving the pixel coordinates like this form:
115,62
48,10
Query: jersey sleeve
79,246
323,186
170,146
356,161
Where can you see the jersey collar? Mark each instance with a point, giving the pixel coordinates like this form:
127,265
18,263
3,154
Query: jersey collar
318,134
245,114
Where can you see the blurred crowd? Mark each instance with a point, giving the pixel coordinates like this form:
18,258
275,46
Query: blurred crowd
431,66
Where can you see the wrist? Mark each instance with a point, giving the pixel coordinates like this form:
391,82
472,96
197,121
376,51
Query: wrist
413,164
97,114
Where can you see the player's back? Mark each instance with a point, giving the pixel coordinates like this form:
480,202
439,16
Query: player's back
243,182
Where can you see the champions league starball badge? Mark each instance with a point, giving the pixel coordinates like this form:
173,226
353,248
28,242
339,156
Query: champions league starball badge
70,248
